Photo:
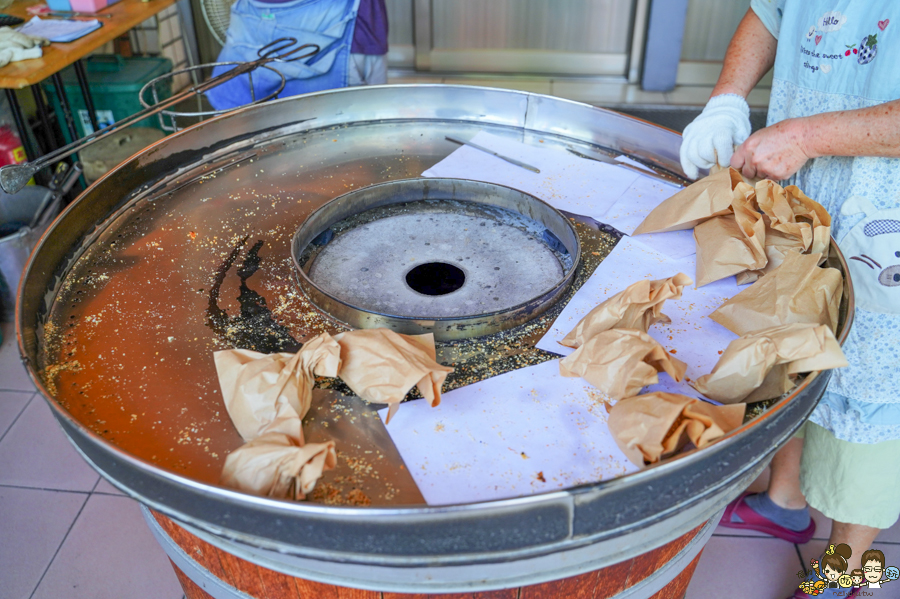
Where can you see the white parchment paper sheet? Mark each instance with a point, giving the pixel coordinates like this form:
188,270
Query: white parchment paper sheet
611,194
696,339
520,433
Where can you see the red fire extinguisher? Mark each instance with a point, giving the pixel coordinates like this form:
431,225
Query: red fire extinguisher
11,149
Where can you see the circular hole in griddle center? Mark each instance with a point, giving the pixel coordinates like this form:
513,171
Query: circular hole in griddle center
435,278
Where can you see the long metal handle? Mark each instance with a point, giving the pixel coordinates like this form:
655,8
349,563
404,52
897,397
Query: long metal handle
493,153
68,13
646,172
14,177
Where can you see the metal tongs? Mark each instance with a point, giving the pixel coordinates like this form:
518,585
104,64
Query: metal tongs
14,177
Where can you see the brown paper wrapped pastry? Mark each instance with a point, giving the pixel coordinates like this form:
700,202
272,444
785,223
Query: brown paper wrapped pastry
758,366
732,243
266,396
794,223
708,197
751,224
653,426
268,392
722,250
381,366
638,307
277,465
796,291
620,362
795,215
778,245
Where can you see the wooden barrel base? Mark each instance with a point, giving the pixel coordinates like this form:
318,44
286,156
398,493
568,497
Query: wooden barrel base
239,578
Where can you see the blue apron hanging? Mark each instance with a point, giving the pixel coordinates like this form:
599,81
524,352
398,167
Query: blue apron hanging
328,23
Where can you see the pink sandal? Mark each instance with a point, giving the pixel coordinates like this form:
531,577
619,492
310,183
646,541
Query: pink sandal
753,521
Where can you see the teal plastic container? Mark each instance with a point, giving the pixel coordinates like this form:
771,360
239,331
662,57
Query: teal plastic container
115,83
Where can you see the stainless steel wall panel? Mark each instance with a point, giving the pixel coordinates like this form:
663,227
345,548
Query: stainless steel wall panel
594,26
401,33
710,26
566,37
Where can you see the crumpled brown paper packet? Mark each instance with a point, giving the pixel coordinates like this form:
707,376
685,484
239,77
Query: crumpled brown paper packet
653,426
381,366
794,222
742,229
778,245
266,396
790,211
750,222
277,465
269,392
638,306
708,197
724,250
620,362
746,371
733,243
797,291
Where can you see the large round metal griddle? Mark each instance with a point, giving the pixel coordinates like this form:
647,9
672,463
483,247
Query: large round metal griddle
184,249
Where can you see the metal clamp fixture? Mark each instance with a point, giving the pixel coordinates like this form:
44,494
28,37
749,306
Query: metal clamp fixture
500,202
14,177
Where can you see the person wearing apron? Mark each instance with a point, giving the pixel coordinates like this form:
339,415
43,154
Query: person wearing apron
328,23
368,54
834,131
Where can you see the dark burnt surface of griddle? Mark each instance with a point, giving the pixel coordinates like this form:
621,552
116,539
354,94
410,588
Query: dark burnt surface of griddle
255,327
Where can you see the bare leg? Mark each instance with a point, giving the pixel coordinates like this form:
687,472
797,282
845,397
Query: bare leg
784,481
857,536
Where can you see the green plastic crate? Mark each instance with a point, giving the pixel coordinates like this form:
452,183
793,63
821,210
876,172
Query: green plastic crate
115,83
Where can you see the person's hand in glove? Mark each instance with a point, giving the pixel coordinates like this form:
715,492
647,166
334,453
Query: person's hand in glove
16,46
713,135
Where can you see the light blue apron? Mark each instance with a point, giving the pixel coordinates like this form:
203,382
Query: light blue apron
843,55
328,23
847,48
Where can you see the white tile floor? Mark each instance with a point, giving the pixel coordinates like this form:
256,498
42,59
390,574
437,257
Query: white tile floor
755,566
67,533
64,532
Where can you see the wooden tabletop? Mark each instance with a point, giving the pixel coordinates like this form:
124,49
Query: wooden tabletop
57,56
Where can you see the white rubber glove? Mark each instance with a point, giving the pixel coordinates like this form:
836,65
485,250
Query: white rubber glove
723,124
